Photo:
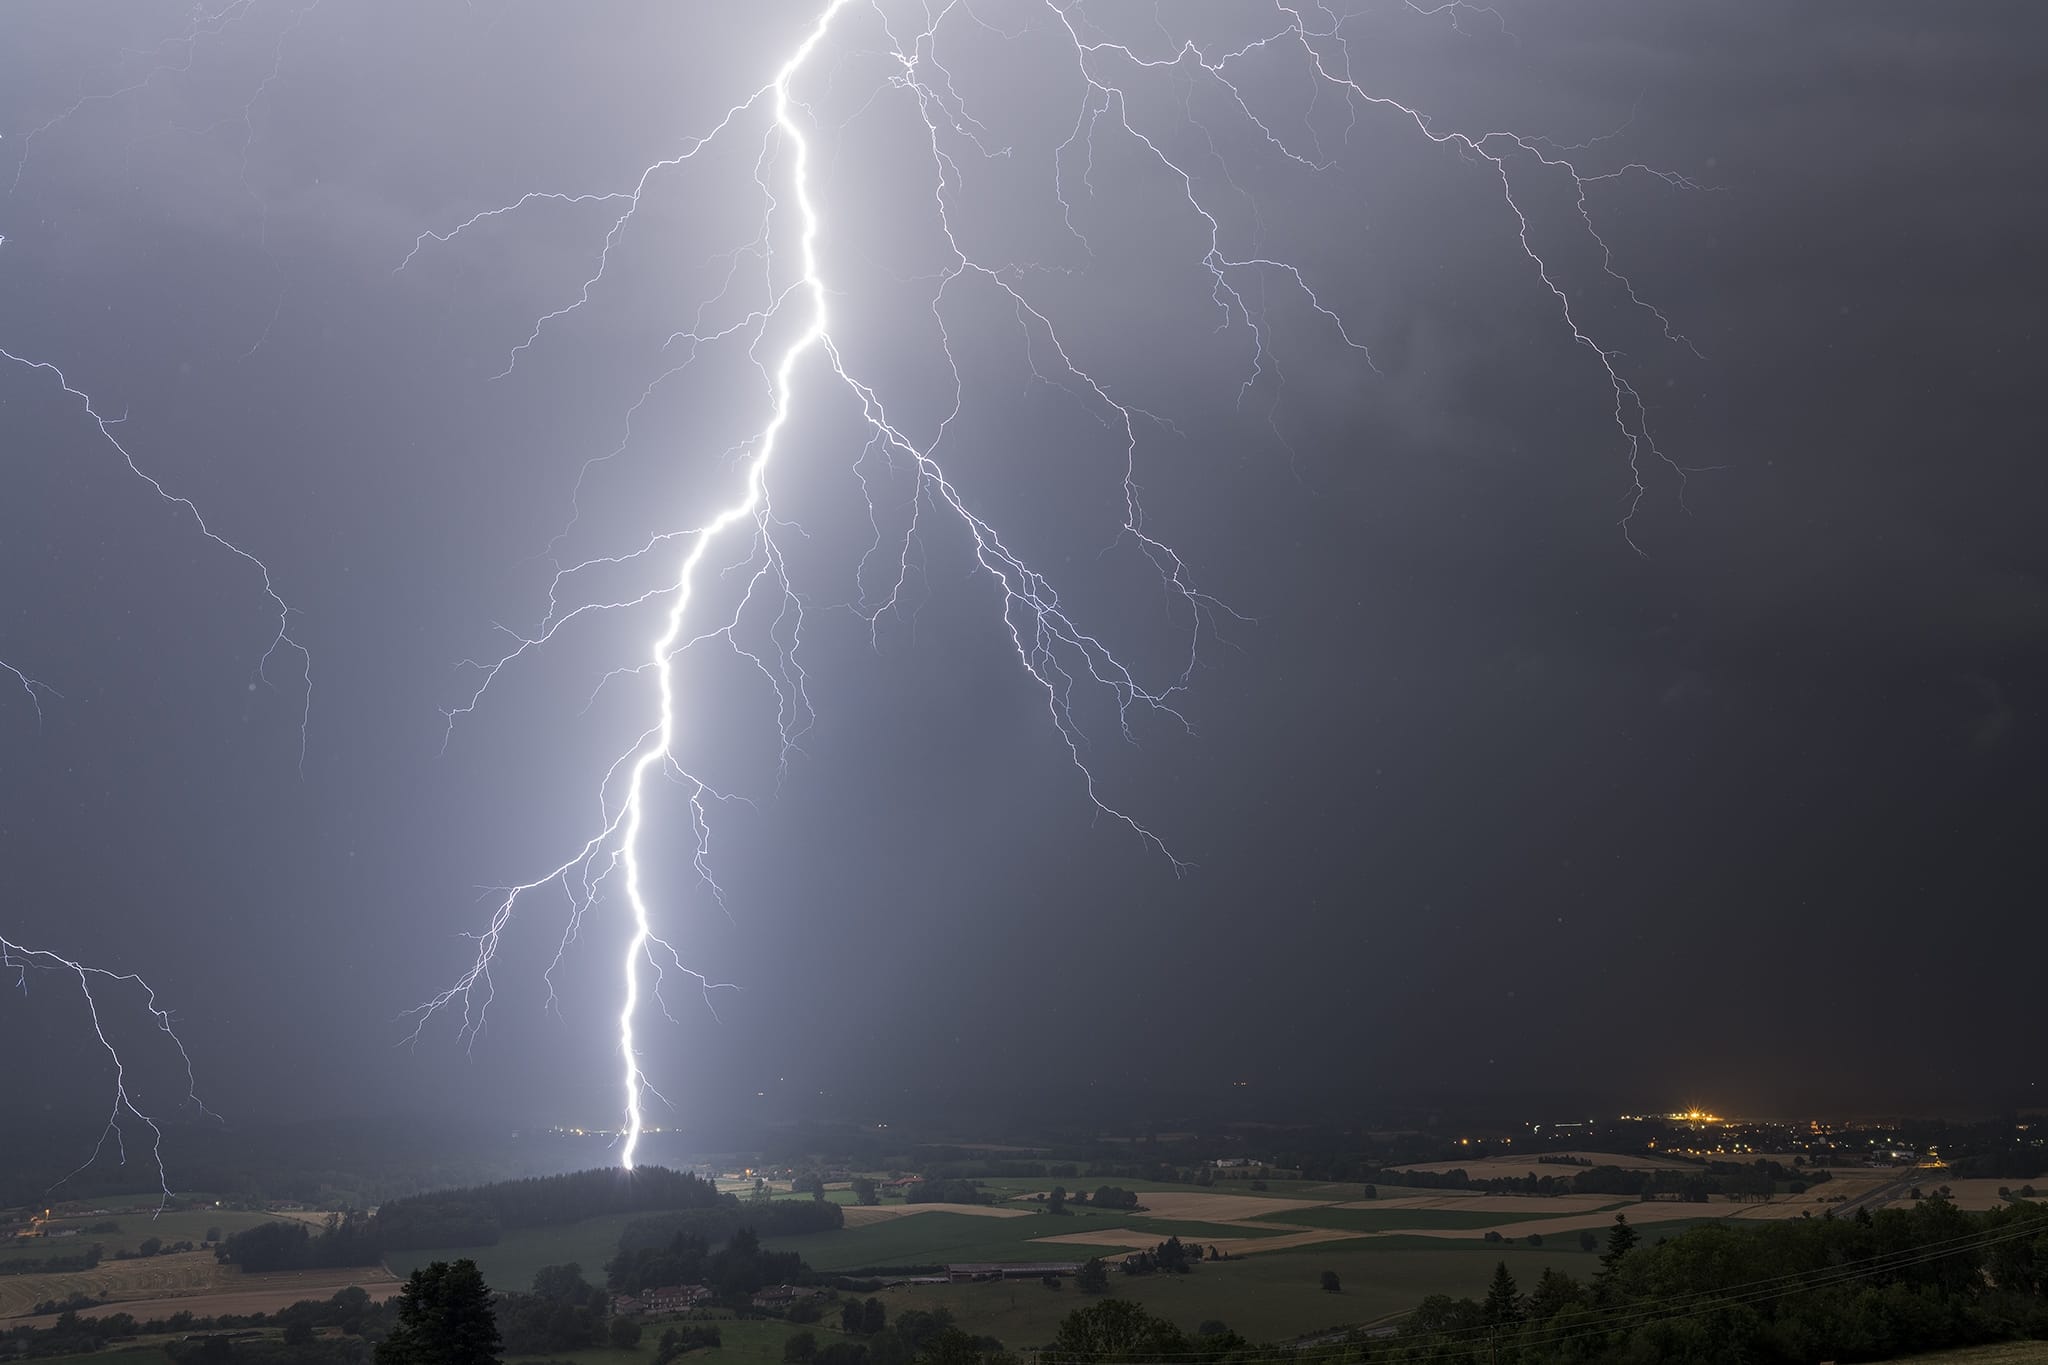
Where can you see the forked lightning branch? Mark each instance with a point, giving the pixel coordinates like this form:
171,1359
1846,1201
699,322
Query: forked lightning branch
788,330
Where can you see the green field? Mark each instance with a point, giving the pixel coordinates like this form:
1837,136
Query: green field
511,1264
1008,1187
1267,1297
741,1343
937,1238
2005,1353
179,1225
760,1343
1159,1229
1382,1220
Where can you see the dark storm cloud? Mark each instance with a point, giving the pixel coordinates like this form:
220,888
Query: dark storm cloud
1483,797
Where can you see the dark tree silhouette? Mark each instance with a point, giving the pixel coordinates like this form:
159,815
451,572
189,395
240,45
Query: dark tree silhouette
444,1318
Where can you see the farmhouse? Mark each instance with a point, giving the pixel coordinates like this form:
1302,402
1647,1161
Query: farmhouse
782,1295
669,1298
969,1271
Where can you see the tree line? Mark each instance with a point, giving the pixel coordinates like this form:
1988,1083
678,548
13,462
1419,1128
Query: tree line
734,1272
1898,1282
1696,1185
476,1217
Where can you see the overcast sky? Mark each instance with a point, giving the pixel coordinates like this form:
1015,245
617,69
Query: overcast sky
1479,798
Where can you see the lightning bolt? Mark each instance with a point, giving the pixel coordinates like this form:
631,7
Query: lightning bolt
91,981
786,330
122,1107
282,641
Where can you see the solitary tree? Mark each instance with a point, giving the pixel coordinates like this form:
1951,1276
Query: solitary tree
1621,1239
1331,1284
444,1318
1503,1301
1093,1277
866,1192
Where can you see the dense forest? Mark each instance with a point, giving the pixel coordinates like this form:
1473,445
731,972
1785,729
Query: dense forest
475,1217
345,1241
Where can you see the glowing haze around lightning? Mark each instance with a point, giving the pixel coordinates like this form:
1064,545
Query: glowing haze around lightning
1058,654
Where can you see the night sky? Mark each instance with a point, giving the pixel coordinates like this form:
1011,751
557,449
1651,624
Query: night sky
1479,802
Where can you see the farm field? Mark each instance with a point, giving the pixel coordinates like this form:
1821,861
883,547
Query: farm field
178,1225
244,1294
1475,1202
935,1239
2004,1353
1264,1297
1202,1206
190,1272
1981,1194
1523,1167
1366,1218
512,1262
857,1216
741,1343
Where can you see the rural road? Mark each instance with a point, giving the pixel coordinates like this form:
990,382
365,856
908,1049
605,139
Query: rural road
1883,1194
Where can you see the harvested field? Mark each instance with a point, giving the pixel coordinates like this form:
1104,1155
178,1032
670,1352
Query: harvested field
1233,1246
859,1217
1981,1194
313,1218
1596,1222
142,1286
1195,1207
186,1272
255,1294
1306,1237
1495,1203
1102,1237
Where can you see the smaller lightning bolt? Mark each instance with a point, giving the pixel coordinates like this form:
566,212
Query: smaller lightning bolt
201,24
282,641
33,688
123,1109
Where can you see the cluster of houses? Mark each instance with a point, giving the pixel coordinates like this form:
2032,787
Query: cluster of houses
669,1298
680,1298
